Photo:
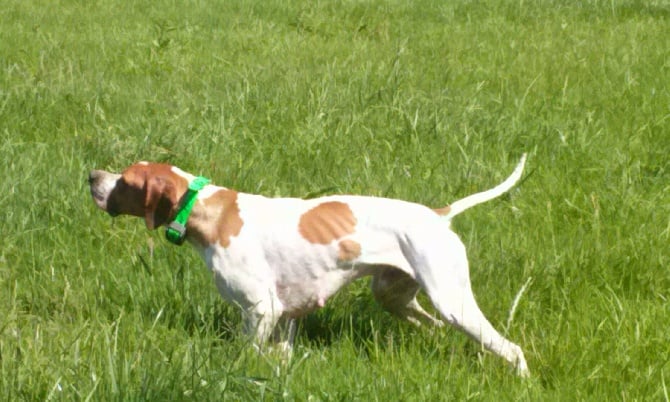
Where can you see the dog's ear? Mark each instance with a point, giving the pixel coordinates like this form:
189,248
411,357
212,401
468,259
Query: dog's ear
161,198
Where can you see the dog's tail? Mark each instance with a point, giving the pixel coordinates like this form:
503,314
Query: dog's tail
470,201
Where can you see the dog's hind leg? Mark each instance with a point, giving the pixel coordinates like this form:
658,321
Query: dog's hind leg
468,317
396,292
450,291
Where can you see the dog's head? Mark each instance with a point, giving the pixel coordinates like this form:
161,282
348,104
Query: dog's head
147,190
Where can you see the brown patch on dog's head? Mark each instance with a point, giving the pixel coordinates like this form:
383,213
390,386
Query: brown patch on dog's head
327,222
349,250
147,190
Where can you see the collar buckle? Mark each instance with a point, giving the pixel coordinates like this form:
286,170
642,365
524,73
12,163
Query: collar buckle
175,233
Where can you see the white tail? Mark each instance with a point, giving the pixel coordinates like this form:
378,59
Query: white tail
470,201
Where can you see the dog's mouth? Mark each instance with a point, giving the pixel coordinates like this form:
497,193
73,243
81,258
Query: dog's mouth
101,200
97,196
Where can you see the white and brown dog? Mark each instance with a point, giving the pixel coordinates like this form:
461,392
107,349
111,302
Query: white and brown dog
281,258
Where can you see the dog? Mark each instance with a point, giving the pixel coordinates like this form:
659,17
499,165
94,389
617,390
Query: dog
282,258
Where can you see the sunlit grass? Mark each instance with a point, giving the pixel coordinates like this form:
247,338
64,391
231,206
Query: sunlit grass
424,101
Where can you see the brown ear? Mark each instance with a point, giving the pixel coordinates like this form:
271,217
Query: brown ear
160,201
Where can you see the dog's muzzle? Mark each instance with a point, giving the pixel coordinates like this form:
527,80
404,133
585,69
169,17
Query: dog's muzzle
101,184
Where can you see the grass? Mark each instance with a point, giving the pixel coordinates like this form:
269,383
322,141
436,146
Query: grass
427,101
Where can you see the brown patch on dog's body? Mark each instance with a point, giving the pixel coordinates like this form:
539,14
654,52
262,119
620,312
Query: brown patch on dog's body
443,211
327,222
218,220
230,223
349,250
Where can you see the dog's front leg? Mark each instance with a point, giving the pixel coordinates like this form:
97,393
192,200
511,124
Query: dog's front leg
284,335
260,322
260,326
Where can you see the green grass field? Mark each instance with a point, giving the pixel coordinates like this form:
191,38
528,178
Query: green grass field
426,101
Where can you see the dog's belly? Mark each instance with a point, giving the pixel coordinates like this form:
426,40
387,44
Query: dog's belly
306,276
302,296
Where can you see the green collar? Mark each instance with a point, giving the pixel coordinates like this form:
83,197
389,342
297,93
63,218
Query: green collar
176,230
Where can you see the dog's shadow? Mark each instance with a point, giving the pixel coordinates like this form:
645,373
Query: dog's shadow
352,315
355,317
